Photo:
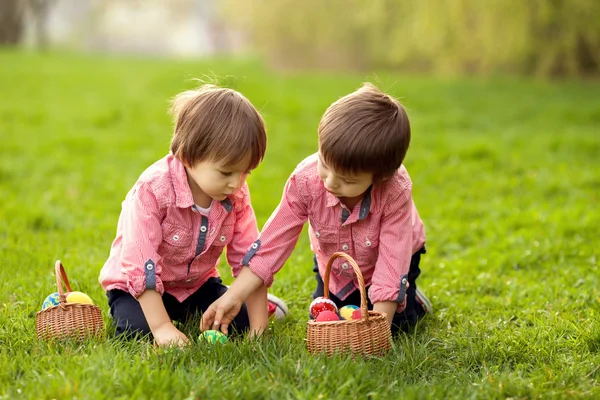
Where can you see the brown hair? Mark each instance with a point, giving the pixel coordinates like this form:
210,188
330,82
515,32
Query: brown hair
365,131
217,124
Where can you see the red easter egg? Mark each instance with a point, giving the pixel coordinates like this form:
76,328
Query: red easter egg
327,315
321,304
356,314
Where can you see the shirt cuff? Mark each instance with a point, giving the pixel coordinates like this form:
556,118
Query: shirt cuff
263,272
397,294
138,284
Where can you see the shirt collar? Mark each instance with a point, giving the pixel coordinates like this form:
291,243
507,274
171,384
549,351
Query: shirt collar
227,204
181,187
365,204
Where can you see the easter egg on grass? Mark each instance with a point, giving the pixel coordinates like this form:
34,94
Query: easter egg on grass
321,304
346,311
78,297
213,336
50,301
326,316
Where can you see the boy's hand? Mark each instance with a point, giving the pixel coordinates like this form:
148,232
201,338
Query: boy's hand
168,335
223,311
219,314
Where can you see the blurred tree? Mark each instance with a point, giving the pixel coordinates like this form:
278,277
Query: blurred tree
39,11
543,37
11,21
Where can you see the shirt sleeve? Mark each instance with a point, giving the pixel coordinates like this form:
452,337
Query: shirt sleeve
244,233
142,235
389,281
279,235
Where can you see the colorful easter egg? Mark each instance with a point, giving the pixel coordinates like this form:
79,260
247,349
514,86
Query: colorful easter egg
50,301
357,314
321,304
346,311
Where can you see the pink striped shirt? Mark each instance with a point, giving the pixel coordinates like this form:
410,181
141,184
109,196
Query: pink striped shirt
163,243
381,233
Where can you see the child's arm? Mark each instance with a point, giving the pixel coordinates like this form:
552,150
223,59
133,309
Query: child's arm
265,257
389,281
257,305
160,324
221,312
386,307
141,263
245,233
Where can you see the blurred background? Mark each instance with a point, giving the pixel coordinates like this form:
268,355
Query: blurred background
549,38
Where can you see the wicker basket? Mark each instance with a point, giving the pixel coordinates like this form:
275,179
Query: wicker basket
68,320
368,336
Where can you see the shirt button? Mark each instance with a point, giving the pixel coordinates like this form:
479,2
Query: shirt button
255,246
404,281
345,247
188,280
149,267
368,243
345,266
202,228
317,234
176,237
222,238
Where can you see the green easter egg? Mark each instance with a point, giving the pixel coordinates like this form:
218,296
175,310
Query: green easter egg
213,336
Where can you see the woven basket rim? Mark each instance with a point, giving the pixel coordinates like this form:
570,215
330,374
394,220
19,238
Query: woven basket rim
63,306
374,316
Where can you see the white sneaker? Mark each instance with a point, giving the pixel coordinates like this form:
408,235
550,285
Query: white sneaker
424,301
277,307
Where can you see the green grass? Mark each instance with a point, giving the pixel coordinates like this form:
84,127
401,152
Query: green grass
506,177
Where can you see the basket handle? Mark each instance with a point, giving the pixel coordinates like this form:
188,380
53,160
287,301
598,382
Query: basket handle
364,309
61,278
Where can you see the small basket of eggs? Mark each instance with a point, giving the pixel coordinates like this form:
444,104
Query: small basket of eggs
358,332
67,314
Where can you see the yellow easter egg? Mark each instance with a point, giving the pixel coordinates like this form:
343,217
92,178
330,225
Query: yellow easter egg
79,297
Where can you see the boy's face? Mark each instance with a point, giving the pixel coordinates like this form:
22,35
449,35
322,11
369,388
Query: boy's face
211,179
343,185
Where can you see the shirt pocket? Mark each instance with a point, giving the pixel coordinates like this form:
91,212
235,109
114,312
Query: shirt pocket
366,244
223,237
327,239
177,244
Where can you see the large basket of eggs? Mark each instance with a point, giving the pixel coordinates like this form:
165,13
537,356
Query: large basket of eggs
362,332
67,314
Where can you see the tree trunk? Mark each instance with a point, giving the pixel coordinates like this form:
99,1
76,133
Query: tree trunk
11,22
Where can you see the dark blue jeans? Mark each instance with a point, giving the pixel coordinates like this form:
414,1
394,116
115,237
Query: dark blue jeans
402,321
130,321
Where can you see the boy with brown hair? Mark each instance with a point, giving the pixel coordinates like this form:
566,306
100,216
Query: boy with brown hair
182,213
357,197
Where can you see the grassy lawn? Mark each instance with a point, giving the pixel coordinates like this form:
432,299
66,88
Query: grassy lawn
506,178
